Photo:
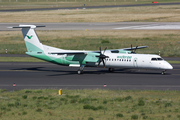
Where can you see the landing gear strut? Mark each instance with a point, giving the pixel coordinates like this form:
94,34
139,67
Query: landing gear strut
111,69
163,72
80,70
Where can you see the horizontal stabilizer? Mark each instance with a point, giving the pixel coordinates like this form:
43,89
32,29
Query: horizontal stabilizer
27,26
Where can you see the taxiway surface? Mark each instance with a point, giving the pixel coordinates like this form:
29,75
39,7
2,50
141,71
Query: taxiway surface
90,7
99,26
47,75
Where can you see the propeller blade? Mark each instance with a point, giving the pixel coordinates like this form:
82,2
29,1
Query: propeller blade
102,57
97,55
135,49
105,50
132,51
103,63
100,50
99,62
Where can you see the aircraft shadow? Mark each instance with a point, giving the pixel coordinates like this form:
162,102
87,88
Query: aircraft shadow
101,72
93,72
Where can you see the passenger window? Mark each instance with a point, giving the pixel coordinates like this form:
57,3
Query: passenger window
153,59
120,60
114,59
109,59
129,60
125,60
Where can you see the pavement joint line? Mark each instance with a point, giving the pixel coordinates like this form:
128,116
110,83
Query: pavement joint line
139,26
151,26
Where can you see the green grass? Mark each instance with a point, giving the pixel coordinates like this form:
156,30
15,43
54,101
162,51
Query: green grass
166,13
167,42
20,59
174,62
18,4
89,104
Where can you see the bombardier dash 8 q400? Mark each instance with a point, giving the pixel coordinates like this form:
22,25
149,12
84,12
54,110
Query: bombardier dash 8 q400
116,58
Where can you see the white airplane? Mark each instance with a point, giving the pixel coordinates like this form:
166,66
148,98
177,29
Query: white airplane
116,58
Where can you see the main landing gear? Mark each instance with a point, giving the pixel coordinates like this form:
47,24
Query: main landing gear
80,70
111,69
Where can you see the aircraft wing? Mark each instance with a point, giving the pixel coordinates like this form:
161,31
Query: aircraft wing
133,48
68,53
128,49
98,52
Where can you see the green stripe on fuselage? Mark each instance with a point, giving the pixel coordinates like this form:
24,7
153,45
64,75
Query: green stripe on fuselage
83,58
50,58
36,52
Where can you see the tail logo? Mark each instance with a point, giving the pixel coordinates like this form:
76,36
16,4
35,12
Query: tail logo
29,37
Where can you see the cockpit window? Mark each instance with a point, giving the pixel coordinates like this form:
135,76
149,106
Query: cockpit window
156,59
159,59
153,59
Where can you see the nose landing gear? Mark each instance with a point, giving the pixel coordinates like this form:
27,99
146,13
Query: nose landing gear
80,72
163,72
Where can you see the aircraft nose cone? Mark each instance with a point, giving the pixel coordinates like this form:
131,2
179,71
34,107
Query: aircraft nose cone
169,66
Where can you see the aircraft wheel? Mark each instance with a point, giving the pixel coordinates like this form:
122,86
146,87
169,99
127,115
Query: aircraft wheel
111,69
80,72
163,72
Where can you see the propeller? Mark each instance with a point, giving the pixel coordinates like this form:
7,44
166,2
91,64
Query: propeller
102,57
134,49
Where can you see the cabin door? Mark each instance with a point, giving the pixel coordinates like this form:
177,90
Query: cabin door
135,62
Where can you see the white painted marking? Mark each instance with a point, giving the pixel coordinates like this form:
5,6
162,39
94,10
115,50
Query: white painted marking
174,27
153,27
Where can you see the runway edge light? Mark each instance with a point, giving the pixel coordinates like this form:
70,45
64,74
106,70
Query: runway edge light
60,91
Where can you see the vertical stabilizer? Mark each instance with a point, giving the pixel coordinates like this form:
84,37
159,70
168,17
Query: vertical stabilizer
31,39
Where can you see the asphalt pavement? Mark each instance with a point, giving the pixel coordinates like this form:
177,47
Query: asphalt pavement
98,26
47,75
90,7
